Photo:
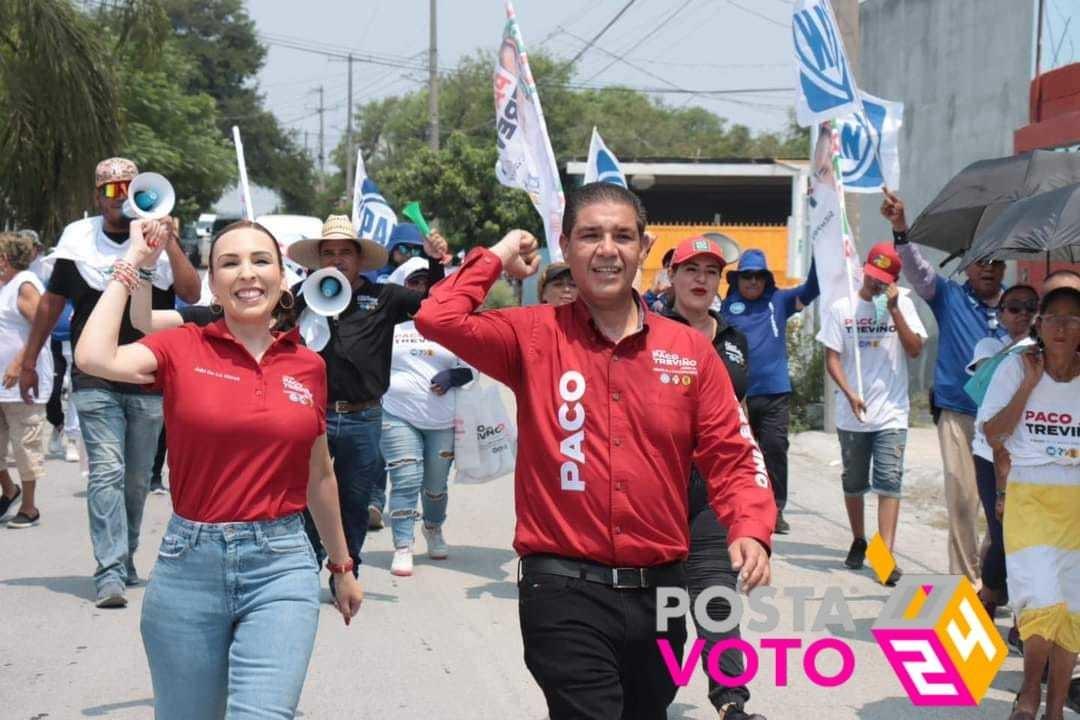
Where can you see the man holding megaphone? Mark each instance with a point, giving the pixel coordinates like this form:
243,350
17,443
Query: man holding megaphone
349,320
120,423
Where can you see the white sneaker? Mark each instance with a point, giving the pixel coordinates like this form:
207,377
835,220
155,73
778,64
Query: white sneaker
402,564
436,545
56,448
71,451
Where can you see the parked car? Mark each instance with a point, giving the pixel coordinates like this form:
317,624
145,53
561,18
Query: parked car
208,228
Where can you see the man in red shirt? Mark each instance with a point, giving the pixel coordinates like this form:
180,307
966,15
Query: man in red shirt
614,404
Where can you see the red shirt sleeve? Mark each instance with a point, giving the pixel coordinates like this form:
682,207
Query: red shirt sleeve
490,341
165,345
729,459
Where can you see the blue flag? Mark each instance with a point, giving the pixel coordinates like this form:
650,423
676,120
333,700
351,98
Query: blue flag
602,165
869,145
372,217
825,87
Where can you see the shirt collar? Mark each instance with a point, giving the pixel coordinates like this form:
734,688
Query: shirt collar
584,318
219,329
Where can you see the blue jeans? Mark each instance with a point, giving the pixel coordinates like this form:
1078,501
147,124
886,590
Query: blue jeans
994,575
121,433
885,448
229,619
415,458
354,445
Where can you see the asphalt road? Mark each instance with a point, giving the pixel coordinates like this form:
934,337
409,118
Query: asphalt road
445,642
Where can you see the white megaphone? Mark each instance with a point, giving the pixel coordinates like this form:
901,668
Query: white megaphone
327,292
150,197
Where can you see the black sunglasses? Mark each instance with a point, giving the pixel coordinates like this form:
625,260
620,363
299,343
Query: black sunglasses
1016,308
753,275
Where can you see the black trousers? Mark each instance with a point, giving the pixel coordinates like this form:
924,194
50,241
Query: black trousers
159,459
993,565
709,564
54,407
769,419
593,651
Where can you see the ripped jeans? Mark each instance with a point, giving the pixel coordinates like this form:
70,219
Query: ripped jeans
415,459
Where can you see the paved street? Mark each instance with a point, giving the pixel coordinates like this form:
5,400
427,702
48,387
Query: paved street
444,643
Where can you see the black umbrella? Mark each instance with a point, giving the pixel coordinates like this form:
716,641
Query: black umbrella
980,192
1047,223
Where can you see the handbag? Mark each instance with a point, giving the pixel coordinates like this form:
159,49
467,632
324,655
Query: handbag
485,438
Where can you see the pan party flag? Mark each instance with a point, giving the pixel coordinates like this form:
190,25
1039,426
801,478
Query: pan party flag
869,145
526,160
372,217
825,87
602,165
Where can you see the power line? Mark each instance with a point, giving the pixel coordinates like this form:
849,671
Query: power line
764,17
649,34
603,30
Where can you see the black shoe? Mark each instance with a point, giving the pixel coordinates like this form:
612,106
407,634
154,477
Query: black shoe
894,577
782,527
22,520
735,712
157,488
1014,640
6,502
1072,699
857,554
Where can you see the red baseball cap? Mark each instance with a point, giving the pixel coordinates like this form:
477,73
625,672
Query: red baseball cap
883,263
699,245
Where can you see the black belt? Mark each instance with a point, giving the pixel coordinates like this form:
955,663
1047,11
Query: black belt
620,578
344,407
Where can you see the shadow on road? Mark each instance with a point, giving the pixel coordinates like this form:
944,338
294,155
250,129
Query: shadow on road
902,709
80,586
105,710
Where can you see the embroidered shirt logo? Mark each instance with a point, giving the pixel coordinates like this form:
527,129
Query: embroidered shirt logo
296,390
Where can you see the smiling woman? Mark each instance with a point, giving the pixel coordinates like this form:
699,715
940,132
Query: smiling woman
234,378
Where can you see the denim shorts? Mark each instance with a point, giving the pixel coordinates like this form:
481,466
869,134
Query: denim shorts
884,450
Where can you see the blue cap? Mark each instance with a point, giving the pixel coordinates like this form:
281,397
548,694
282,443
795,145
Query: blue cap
753,260
405,234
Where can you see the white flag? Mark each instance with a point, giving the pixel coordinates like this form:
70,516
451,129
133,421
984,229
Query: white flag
869,145
526,160
372,217
824,85
602,165
837,263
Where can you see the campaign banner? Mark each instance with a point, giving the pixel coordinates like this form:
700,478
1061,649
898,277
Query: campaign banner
526,160
372,216
870,145
836,260
602,165
824,85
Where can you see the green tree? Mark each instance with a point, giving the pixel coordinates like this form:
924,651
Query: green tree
60,112
219,36
457,184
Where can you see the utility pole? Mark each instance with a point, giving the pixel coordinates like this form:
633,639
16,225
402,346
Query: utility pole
322,135
348,136
433,82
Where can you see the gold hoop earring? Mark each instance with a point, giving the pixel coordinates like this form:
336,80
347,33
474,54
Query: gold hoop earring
292,300
215,306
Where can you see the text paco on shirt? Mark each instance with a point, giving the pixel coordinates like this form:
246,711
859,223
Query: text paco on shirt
607,433
240,432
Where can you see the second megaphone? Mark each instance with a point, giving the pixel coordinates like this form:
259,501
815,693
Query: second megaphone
150,197
327,291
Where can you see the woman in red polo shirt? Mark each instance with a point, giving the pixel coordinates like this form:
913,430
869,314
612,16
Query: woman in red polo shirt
230,613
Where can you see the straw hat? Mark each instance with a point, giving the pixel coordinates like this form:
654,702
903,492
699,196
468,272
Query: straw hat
338,227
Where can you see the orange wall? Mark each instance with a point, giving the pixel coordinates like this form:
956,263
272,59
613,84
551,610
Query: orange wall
773,239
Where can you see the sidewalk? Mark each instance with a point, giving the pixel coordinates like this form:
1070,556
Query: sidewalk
445,643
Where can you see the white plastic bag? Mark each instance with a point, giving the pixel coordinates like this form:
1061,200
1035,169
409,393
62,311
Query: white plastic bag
485,438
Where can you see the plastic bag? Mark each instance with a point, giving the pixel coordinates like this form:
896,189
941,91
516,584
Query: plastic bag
485,438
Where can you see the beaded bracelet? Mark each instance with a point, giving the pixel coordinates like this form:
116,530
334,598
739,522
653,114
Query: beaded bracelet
126,274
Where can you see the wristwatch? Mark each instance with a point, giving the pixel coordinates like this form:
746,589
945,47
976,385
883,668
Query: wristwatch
899,237
340,569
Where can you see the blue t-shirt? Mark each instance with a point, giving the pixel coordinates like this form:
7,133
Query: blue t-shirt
62,331
963,320
764,323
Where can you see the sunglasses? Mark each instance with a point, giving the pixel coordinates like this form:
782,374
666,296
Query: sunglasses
752,275
1030,308
1064,322
115,189
990,263
410,250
